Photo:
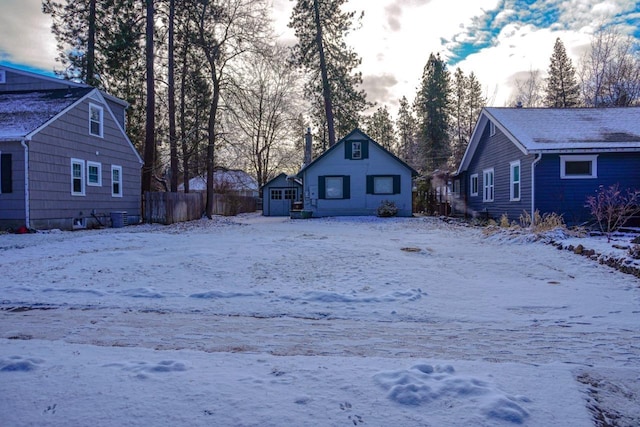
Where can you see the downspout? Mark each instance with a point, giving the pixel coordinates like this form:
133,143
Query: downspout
27,218
533,183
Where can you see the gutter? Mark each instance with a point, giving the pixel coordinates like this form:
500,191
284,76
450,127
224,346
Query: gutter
533,183
27,209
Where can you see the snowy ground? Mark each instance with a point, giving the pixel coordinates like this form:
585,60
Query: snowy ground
255,321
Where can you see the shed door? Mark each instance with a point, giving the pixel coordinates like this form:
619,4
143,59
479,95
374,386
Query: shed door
280,200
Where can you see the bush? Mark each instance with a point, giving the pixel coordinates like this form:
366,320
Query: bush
546,222
612,209
387,209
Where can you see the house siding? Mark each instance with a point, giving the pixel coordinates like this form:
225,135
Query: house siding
12,205
50,153
278,207
497,152
567,197
376,162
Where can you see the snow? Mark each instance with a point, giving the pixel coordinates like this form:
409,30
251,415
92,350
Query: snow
261,321
23,112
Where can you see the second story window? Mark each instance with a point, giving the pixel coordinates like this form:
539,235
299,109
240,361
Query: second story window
96,114
356,150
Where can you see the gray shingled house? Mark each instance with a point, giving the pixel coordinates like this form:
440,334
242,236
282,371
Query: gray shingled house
66,161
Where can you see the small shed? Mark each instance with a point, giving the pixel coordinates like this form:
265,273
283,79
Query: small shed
280,194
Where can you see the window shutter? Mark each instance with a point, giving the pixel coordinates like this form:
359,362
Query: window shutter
346,187
348,150
396,184
365,149
321,188
370,179
5,169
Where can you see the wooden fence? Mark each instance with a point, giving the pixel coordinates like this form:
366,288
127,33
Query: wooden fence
168,208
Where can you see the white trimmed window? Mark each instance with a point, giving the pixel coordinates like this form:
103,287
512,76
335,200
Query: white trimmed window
356,150
514,181
487,185
473,184
96,120
382,185
334,187
77,177
492,129
116,181
94,174
579,166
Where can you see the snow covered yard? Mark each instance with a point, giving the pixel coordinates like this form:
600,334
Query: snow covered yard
255,321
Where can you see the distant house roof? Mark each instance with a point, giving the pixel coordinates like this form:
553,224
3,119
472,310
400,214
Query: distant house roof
21,113
548,130
350,135
292,178
237,180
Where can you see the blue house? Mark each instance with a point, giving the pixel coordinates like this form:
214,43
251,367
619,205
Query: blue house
354,176
550,160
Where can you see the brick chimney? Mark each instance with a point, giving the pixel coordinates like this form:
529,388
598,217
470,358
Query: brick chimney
308,141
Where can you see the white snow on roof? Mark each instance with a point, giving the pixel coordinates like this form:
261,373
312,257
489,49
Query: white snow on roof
23,112
237,180
540,129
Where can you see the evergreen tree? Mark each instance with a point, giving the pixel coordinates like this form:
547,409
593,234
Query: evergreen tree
321,28
467,103
407,134
562,89
433,110
458,117
474,104
380,128
100,43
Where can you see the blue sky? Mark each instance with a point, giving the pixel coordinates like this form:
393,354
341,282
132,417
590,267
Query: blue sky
499,40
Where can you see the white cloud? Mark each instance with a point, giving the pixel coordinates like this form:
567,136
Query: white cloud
25,34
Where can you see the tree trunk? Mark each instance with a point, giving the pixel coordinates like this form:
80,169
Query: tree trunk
326,88
91,45
173,143
149,142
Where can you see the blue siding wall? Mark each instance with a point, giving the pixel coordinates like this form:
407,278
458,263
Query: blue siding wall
498,152
568,196
375,161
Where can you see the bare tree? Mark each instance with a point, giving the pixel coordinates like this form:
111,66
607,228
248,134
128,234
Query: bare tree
226,30
529,90
264,107
610,70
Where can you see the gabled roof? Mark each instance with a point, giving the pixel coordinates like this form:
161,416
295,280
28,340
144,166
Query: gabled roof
283,176
350,136
21,113
63,83
561,130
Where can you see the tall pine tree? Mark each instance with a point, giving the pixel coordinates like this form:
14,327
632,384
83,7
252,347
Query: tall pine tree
321,27
407,134
562,89
380,128
433,110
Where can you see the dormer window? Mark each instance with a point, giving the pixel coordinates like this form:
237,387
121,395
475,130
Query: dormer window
96,114
356,150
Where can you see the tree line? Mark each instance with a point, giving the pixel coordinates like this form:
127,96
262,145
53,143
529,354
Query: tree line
209,85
